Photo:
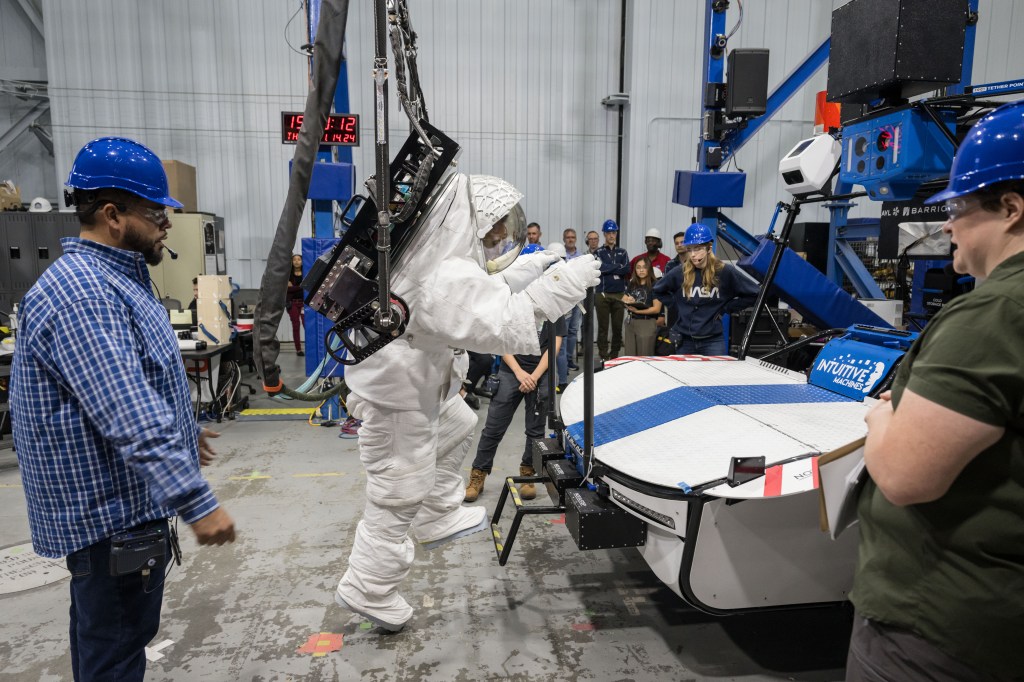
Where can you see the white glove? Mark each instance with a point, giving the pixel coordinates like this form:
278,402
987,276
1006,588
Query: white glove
526,269
563,285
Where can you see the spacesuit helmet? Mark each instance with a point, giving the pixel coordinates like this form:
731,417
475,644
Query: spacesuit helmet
500,220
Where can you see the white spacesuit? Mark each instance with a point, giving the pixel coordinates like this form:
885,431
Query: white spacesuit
416,429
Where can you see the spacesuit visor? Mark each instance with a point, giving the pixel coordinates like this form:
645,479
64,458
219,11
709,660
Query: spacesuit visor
503,242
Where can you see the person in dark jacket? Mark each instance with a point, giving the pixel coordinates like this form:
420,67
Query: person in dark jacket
701,291
608,304
295,301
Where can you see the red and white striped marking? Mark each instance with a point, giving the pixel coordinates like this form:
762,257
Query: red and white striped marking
661,358
778,481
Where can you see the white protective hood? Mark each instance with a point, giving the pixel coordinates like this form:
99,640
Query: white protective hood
453,303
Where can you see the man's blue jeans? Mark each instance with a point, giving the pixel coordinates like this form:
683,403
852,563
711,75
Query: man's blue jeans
112,618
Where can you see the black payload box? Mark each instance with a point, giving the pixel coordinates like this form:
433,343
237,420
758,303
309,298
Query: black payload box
766,333
596,523
544,449
562,475
895,49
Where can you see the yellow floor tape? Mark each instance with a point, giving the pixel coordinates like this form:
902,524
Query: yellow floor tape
278,410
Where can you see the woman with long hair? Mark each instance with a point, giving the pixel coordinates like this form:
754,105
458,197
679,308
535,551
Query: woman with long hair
295,301
642,309
702,291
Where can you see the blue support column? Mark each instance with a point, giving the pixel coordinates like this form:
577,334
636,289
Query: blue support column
850,263
713,71
737,237
838,212
323,211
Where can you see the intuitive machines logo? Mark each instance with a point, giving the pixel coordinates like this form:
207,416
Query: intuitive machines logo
851,372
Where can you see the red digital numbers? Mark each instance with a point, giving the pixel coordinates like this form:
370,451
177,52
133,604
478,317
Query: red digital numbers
339,129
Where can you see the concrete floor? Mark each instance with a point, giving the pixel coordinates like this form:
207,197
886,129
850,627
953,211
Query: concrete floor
243,611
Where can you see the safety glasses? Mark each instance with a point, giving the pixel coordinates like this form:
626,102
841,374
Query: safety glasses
959,207
157,216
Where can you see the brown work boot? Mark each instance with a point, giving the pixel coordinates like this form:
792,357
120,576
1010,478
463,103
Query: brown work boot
527,491
476,484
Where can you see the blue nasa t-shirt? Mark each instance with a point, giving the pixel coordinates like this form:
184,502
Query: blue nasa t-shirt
699,311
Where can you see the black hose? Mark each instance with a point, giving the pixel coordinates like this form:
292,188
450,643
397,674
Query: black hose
327,55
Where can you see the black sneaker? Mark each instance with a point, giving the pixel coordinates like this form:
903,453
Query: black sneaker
472,401
299,353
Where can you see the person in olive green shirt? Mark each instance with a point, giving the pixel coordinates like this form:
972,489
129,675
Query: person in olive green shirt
939,587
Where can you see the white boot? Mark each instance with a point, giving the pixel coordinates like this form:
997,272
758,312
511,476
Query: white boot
457,523
391,617
376,568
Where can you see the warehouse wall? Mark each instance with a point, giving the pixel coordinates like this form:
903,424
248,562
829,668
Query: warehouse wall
519,85
517,82
26,161
201,82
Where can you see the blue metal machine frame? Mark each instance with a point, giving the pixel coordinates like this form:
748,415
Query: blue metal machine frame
323,211
315,325
843,260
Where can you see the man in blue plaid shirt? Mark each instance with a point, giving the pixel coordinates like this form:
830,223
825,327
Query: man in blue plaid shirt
102,418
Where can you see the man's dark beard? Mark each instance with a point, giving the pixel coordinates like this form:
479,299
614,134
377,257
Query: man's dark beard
134,241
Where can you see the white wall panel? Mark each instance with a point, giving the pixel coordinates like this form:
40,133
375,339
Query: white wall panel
519,85
22,55
517,82
200,82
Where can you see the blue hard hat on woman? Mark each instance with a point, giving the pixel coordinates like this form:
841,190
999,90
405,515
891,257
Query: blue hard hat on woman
120,163
696,234
610,226
992,152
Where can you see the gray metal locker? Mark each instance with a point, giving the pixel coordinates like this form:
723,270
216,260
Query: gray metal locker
5,265
21,249
47,238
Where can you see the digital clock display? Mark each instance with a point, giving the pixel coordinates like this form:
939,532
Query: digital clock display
340,129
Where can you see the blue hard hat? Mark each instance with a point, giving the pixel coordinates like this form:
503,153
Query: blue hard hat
120,163
698,233
992,152
610,226
531,248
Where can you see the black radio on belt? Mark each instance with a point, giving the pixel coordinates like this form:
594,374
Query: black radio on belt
139,550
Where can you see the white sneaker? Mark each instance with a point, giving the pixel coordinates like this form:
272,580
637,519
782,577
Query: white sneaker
457,523
392,616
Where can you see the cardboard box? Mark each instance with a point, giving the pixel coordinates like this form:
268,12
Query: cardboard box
213,308
181,178
10,197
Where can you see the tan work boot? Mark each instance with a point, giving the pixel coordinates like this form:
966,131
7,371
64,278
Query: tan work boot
476,484
527,491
